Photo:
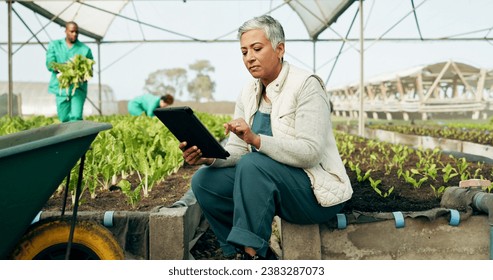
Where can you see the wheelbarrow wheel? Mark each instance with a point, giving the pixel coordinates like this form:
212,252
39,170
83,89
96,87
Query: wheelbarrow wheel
48,240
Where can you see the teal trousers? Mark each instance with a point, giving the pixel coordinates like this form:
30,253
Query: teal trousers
70,108
240,202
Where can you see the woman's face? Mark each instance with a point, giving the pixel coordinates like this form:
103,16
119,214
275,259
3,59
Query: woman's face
261,60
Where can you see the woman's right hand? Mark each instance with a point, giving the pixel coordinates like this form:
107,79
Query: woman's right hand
193,155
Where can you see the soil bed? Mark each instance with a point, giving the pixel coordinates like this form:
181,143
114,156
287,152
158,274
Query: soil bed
404,197
163,194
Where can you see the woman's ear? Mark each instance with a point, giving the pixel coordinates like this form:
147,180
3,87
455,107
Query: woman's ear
280,51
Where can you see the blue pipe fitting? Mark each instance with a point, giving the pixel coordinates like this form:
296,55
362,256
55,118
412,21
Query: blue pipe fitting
454,217
399,219
108,218
341,221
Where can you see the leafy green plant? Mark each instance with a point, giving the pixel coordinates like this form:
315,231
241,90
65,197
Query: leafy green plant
347,148
135,145
409,178
438,191
388,168
448,173
489,188
462,166
358,171
401,154
73,73
362,178
373,159
133,196
374,184
431,171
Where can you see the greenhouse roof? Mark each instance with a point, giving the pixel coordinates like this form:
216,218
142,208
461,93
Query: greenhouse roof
137,37
95,17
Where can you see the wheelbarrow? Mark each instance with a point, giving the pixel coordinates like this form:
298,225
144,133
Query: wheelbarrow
33,164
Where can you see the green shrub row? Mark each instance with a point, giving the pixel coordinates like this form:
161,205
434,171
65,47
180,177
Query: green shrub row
139,146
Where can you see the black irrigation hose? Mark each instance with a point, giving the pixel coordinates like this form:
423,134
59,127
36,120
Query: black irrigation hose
76,207
64,204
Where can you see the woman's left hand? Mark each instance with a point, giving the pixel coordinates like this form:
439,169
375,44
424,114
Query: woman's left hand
193,155
243,131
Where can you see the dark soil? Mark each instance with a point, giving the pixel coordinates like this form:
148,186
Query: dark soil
163,194
403,198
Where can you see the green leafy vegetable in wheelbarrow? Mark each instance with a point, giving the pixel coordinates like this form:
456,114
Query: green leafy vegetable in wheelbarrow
73,73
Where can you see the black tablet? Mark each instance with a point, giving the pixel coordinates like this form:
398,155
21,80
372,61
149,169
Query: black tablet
185,126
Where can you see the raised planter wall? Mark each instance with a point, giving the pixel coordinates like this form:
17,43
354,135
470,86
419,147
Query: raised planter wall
429,142
418,239
477,149
161,234
171,230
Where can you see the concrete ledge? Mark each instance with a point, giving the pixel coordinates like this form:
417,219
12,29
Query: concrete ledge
171,230
406,139
429,142
419,239
300,242
477,149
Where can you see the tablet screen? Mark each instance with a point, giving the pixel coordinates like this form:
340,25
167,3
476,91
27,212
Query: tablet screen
185,126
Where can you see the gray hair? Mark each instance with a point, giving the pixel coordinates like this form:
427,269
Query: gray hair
272,28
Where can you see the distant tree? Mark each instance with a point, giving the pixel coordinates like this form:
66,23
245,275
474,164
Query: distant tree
166,81
202,67
177,77
202,86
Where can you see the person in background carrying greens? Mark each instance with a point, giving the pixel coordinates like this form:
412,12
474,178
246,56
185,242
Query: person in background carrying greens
147,103
69,107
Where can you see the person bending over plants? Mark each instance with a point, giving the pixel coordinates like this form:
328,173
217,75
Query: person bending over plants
147,103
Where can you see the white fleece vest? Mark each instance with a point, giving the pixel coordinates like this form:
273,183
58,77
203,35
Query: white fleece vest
329,179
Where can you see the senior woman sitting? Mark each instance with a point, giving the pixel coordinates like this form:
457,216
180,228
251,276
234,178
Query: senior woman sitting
284,160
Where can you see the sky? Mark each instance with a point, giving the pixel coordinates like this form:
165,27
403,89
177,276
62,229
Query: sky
125,66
